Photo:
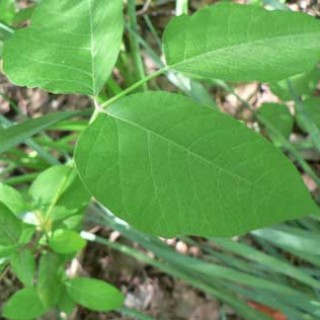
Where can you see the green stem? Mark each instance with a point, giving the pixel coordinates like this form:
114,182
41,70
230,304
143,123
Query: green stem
133,87
134,44
6,28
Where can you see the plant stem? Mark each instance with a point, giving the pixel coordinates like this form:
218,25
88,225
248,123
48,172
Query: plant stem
133,87
6,28
134,44
135,314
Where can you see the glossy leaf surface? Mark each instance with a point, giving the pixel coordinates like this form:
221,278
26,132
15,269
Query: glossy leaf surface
71,46
242,43
169,166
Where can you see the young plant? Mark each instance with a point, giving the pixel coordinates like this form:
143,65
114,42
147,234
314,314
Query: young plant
39,237
165,163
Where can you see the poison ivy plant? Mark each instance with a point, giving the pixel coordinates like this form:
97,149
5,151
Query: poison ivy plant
163,162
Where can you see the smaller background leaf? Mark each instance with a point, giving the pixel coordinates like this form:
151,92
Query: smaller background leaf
95,294
66,303
24,304
279,116
12,199
60,189
24,265
66,241
303,84
49,279
311,109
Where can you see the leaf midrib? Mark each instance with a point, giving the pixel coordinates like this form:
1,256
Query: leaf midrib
108,113
239,45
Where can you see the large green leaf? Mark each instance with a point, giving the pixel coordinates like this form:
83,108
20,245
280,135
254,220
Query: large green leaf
242,43
95,294
170,166
71,46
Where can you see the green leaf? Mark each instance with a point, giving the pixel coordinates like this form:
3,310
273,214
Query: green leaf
72,51
242,43
66,242
19,133
310,110
10,227
169,166
24,304
279,116
50,279
95,294
303,84
59,192
6,251
24,265
66,303
11,198
48,187
7,11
